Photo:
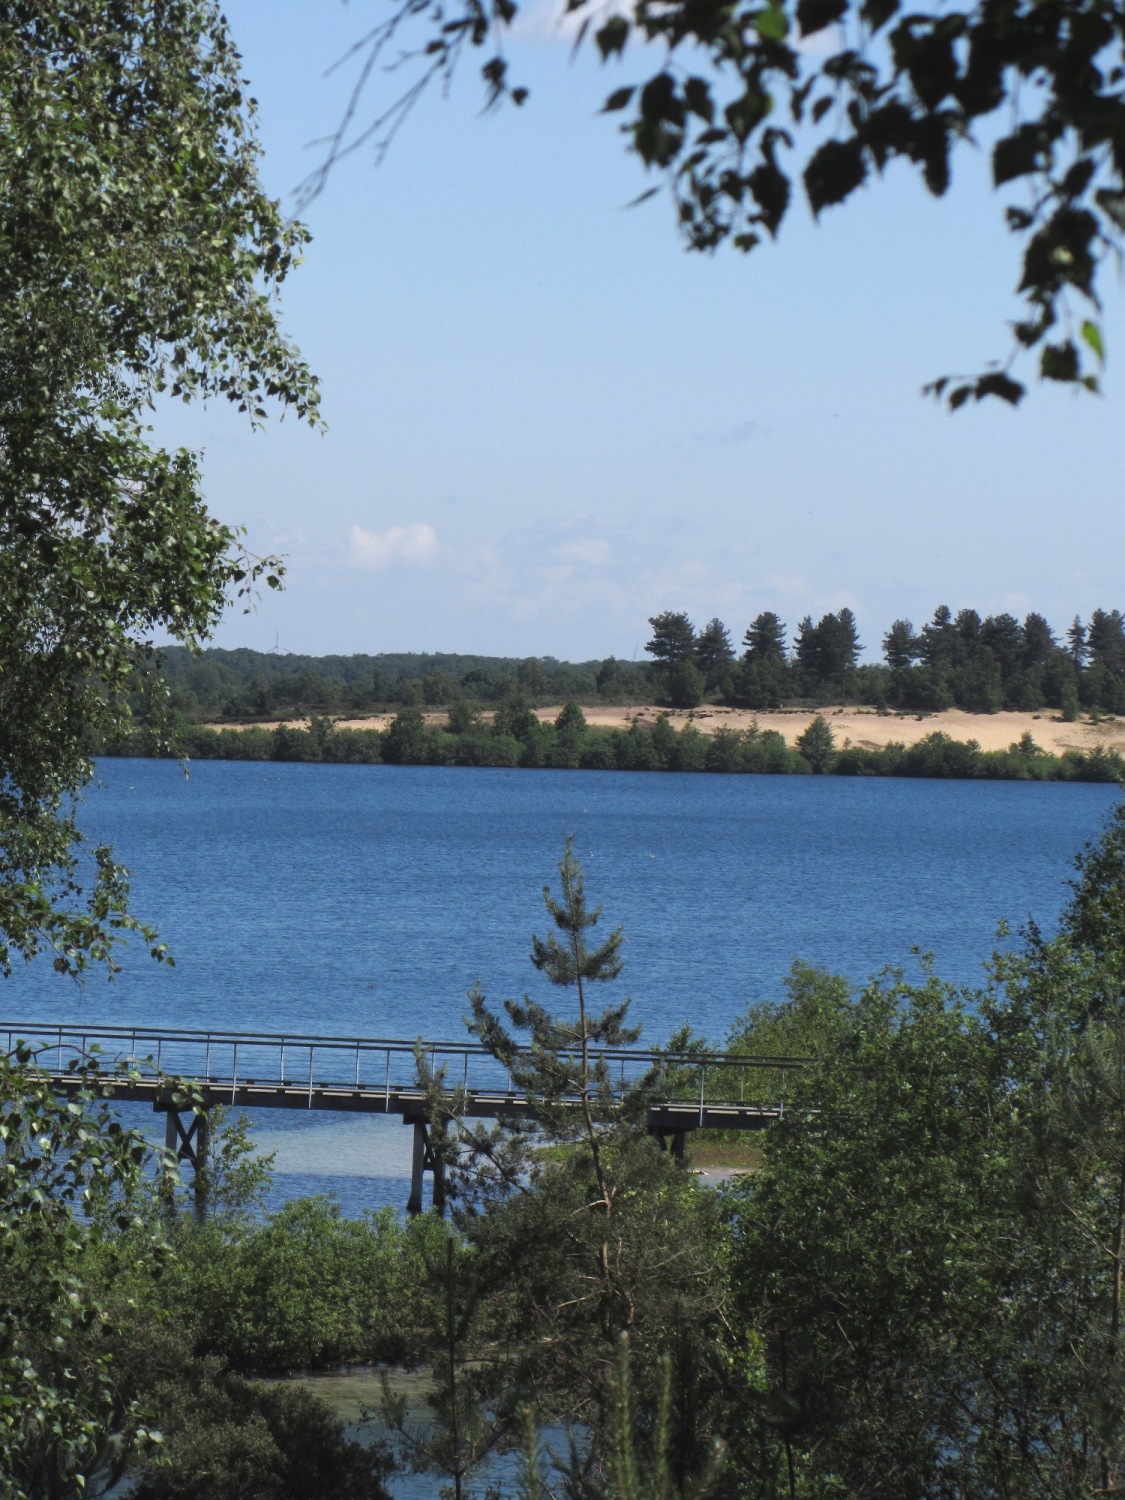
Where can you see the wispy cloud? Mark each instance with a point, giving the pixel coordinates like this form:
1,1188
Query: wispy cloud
376,550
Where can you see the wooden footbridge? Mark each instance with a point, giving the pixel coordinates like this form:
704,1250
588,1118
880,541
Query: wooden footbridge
375,1075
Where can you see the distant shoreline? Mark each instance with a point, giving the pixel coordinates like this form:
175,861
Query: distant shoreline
951,745
865,727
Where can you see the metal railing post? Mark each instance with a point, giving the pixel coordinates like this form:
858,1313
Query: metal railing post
234,1073
310,1074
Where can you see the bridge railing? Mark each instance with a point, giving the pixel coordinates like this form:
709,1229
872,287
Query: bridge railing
300,1061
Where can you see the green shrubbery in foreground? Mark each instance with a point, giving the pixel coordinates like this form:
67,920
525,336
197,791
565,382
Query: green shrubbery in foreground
518,738
919,1293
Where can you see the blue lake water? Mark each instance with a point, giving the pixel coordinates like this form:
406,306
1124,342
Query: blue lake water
365,900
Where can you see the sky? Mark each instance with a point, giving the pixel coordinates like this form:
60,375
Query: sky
547,421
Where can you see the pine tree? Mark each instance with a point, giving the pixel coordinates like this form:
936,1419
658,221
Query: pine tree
939,639
1076,646
900,645
714,653
1106,640
765,638
569,1205
806,648
1038,641
673,638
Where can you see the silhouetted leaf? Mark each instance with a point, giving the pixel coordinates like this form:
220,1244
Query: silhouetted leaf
1077,179
1016,155
770,188
612,36
834,172
999,384
697,93
618,99
815,15
878,12
1059,362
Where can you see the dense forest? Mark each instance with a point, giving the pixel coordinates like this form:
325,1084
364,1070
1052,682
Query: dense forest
914,1291
954,660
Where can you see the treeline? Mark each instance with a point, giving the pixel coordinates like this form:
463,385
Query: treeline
216,685
953,661
517,737
962,661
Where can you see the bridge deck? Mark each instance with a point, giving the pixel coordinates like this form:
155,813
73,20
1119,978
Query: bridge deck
379,1076
410,1103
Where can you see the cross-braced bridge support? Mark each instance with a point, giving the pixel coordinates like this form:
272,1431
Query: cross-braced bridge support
186,1137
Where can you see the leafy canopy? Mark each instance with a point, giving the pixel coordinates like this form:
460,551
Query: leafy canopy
754,101
138,255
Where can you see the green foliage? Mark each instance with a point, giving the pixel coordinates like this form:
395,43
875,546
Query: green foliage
462,1432
73,1196
981,665
936,1288
302,1288
686,685
673,638
226,1437
405,741
630,1459
640,748
569,1212
818,744
138,255
714,654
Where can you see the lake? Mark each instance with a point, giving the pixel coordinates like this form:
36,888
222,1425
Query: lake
366,900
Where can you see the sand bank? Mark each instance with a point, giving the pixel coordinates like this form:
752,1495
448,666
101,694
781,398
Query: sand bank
851,725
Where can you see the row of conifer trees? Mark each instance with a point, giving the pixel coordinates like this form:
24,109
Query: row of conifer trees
961,660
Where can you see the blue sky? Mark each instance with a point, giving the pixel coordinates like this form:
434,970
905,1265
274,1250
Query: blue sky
547,421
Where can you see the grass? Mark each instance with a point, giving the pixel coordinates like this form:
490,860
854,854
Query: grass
718,1148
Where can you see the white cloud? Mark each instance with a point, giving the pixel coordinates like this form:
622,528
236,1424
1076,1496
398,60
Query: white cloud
375,550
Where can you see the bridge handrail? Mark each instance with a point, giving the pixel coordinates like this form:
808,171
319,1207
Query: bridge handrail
56,1034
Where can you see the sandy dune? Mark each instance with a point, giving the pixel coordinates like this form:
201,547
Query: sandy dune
851,725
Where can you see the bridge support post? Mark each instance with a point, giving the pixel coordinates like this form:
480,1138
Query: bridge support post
425,1159
186,1135
674,1140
